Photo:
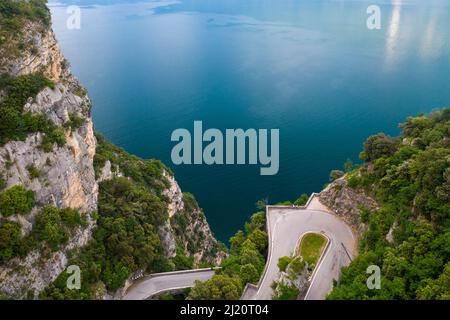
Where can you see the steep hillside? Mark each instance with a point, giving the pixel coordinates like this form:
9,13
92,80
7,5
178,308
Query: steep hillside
397,203
407,234
66,194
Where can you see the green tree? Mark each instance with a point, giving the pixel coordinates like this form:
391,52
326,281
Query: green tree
436,289
48,227
249,274
16,91
244,264
9,240
257,221
16,200
378,146
286,292
260,239
283,262
236,241
302,200
252,256
219,287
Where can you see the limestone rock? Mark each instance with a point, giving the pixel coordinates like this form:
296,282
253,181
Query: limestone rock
66,173
196,238
346,202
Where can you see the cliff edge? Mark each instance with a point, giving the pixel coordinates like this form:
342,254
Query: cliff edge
55,184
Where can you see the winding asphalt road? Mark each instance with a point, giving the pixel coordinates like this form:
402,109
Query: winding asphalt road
158,283
286,226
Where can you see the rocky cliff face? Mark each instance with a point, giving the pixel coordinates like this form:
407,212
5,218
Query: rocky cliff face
66,176
197,233
347,203
44,54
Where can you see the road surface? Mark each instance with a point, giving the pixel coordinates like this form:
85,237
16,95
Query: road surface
287,225
158,283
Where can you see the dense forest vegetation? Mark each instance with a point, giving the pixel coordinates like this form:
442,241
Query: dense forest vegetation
409,176
130,210
245,264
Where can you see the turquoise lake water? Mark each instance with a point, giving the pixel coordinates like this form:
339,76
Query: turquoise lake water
310,68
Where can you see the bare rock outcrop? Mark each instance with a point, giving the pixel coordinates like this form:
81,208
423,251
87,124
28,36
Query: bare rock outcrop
66,179
196,238
66,175
45,55
296,276
347,202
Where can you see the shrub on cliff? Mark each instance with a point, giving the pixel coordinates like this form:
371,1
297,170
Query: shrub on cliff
302,200
286,292
9,240
53,226
14,125
16,200
283,262
14,15
12,244
378,146
147,173
30,10
219,287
